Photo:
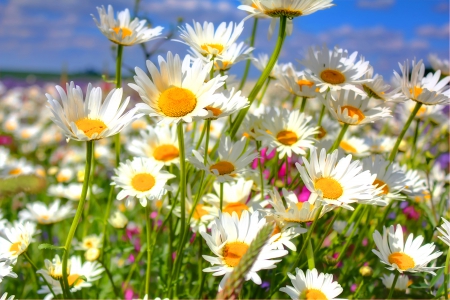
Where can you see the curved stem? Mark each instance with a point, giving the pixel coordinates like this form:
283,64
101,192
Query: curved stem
322,113
414,143
264,91
249,62
105,221
339,139
76,219
118,85
133,267
25,254
208,130
108,273
325,234
405,128
302,107
391,292
149,254
265,74
222,73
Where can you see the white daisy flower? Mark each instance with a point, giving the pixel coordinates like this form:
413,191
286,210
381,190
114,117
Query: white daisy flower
404,257
426,90
312,285
287,131
445,231
378,89
141,178
123,32
261,62
6,268
5,297
232,159
335,70
228,103
16,167
72,191
232,55
328,129
439,64
118,220
351,108
65,174
415,184
39,212
250,126
283,234
337,183
379,144
159,143
18,237
401,285
89,242
178,91
296,83
229,241
354,146
285,8
205,40
90,119
339,227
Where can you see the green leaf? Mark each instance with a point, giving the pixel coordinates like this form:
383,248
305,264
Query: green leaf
50,246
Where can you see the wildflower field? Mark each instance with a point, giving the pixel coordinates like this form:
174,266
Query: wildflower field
318,179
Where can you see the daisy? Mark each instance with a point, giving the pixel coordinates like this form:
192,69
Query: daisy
91,119
118,220
232,159
445,231
404,257
415,184
228,103
312,285
232,55
72,191
352,109
16,167
402,282
376,88
141,178
261,62
39,212
439,64
18,238
229,241
426,90
285,8
337,183
123,32
159,143
339,227
283,234
379,144
205,40
178,91
287,131
335,70
328,129
6,268
354,146
296,83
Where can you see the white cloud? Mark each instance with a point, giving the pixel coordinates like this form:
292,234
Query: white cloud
432,31
375,4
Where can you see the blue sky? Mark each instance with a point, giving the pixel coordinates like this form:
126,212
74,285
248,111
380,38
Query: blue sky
46,35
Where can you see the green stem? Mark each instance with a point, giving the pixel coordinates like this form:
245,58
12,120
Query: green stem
249,62
76,219
118,85
391,292
133,267
310,255
339,139
322,113
88,204
446,275
261,171
149,254
355,295
221,196
25,254
302,107
262,79
105,221
201,136
222,72
108,273
325,234
201,276
208,130
264,91
405,128
414,144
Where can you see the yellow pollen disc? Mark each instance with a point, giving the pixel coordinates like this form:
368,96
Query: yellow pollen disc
330,188
74,279
88,244
143,182
402,260
353,111
177,102
223,167
300,206
233,252
15,248
322,133
347,147
15,171
43,219
416,91
218,47
216,111
236,207
303,82
125,31
332,76
287,137
166,152
312,294
199,212
378,183
89,127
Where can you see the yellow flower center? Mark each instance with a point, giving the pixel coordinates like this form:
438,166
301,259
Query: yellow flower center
378,183
62,178
15,248
332,76
330,188
416,91
207,48
347,147
313,294
89,127
74,280
223,167
15,171
143,182
166,152
199,212
125,31
236,207
287,137
216,111
353,111
43,219
402,260
233,252
303,82
322,133
177,102
138,124
283,12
